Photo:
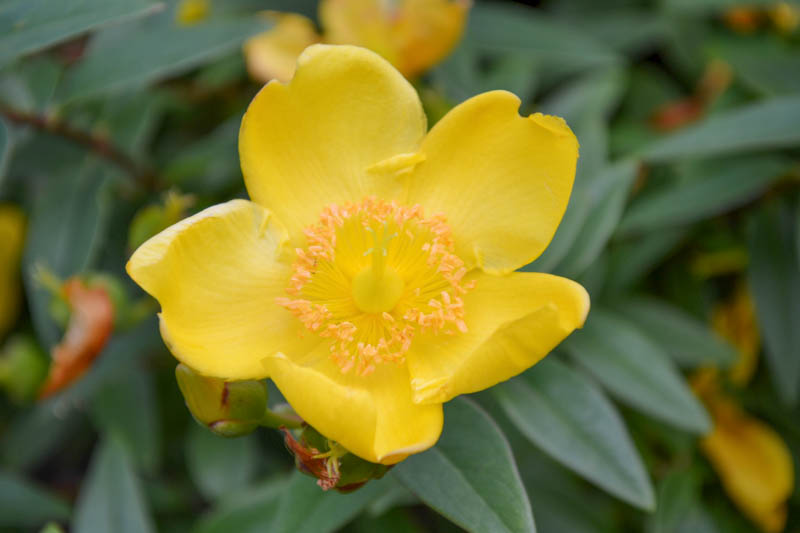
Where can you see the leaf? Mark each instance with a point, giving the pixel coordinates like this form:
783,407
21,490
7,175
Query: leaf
27,26
569,418
636,370
470,476
23,504
306,507
774,277
146,51
633,259
127,408
111,497
250,511
763,125
678,494
5,150
710,189
219,466
65,234
689,341
608,193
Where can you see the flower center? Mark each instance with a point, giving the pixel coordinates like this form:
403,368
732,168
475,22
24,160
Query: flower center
373,276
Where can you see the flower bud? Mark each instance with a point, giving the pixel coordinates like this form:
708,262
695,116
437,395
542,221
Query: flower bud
23,368
227,408
152,219
332,465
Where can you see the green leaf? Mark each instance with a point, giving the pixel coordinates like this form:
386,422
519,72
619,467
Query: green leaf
569,417
709,189
470,476
126,407
153,49
769,66
111,497
678,494
608,193
636,370
250,511
23,504
774,277
306,507
27,26
66,231
763,125
689,341
5,150
219,466
633,259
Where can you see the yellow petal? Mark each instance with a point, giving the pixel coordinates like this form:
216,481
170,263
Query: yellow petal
752,461
372,416
216,275
12,238
502,180
308,144
272,55
413,35
735,321
513,321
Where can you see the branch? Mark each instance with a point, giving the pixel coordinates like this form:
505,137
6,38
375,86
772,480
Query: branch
95,143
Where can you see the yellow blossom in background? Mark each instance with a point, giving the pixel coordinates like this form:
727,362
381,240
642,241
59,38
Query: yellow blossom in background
273,54
413,35
752,461
12,239
785,16
372,276
190,12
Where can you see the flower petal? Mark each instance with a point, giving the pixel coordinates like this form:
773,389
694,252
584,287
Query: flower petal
372,416
501,180
514,321
216,275
752,461
308,144
273,54
413,35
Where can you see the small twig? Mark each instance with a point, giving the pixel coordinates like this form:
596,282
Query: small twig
96,143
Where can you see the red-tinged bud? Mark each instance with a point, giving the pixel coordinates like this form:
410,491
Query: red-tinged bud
332,465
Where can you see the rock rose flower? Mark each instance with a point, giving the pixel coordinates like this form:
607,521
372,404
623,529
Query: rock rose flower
372,276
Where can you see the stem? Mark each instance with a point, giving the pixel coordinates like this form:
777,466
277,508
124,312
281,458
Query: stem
95,143
281,416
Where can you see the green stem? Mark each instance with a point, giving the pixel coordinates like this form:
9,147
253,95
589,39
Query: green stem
281,416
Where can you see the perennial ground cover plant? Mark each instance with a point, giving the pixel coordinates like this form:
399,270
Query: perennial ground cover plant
371,276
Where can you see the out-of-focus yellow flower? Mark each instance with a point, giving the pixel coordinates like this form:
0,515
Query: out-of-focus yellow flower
190,12
785,16
413,35
735,321
12,238
752,461
372,277
273,54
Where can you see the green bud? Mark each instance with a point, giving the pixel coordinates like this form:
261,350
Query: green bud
332,465
227,408
152,219
23,368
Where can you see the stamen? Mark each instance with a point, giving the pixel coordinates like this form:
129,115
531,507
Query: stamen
373,276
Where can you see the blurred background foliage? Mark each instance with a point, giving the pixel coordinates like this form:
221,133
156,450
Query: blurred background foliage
119,117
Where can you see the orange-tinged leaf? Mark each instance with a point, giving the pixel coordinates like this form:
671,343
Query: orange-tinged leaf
90,324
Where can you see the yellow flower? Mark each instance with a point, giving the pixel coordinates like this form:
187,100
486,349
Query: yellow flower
413,35
372,276
12,236
785,16
191,12
735,321
752,461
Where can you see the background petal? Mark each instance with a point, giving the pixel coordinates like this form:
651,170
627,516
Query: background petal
308,144
216,276
502,180
372,416
273,54
513,321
